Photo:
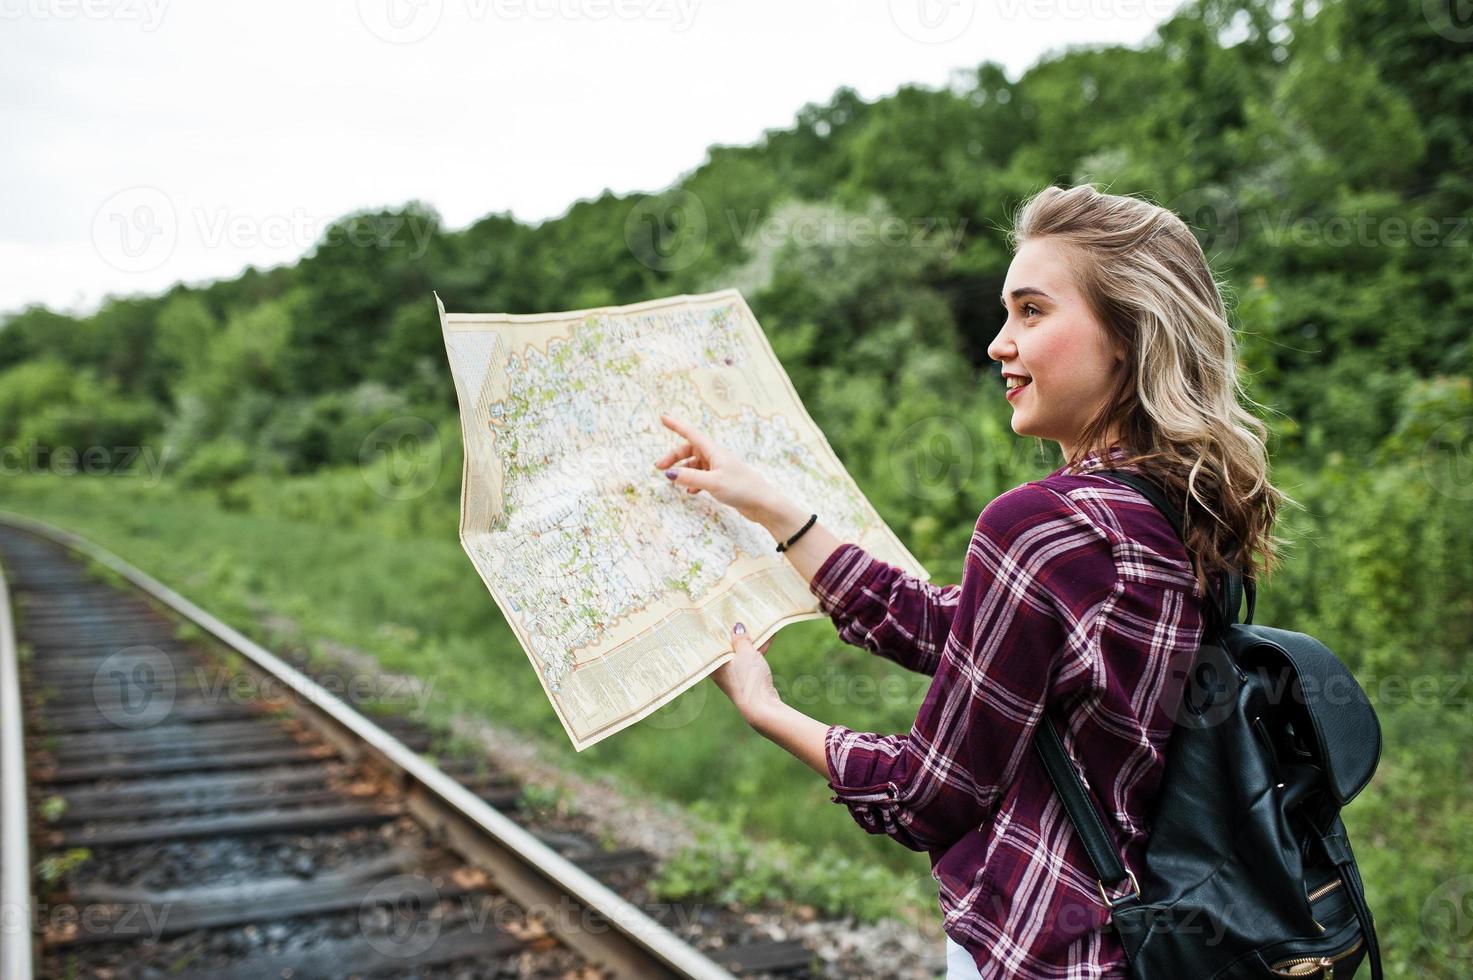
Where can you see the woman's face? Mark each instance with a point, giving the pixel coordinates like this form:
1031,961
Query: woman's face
1052,338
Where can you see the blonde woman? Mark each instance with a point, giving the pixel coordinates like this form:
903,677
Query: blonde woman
1078,604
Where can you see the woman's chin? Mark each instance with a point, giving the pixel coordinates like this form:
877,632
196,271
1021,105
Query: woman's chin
1029,428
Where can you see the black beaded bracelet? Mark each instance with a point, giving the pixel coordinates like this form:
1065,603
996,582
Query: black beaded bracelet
784,546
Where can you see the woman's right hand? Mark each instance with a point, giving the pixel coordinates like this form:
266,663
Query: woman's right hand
699,463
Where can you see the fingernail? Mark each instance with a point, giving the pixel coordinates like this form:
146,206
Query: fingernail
739,629
670,474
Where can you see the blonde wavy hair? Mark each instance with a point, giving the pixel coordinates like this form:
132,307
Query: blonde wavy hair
1178,405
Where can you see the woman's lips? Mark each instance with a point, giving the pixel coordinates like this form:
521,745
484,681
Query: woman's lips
1013,392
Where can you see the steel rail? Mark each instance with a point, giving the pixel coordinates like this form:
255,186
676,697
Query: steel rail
16,938
587,915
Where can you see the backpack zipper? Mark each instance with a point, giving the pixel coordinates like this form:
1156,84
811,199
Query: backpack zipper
1321,892
1325,889
1308,966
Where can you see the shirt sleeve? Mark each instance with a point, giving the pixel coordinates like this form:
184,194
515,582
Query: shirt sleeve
885,610
1039,578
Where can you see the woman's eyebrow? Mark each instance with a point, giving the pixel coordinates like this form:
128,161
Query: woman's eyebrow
1022,291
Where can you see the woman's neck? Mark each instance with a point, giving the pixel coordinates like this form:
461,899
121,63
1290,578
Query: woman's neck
1074,451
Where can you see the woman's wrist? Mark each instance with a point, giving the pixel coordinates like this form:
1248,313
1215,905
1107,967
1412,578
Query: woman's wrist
758,711
782,518
762,715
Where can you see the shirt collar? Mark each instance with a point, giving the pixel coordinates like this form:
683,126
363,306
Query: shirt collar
1097,459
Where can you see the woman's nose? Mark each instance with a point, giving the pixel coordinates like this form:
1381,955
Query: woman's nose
1001,347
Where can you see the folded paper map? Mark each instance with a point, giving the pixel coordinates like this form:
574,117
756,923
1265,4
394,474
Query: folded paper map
621,588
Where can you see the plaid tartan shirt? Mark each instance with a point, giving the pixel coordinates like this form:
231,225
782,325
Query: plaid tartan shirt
1076,597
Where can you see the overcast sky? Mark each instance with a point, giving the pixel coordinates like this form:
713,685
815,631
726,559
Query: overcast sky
153,141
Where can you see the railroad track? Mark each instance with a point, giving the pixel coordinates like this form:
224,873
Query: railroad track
201,808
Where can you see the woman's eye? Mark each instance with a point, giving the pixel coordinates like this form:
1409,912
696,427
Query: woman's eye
1030,306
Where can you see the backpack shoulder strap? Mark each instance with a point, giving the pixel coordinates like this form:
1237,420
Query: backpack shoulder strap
1151,490
1081,809
1231,589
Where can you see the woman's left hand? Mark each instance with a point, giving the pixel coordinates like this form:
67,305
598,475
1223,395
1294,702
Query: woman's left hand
746,678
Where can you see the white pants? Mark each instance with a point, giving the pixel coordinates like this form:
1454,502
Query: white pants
959,963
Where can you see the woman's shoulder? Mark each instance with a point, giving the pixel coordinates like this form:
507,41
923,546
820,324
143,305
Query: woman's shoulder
1037,511
1090,501
1036,540
1143,540
1025,504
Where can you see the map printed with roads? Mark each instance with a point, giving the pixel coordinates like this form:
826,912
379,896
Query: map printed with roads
622,589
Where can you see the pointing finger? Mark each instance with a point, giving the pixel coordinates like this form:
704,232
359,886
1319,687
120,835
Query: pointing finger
695,436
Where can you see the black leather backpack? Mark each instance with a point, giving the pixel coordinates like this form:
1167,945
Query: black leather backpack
1247,870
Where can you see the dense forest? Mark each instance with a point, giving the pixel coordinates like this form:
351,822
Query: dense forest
1324,154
